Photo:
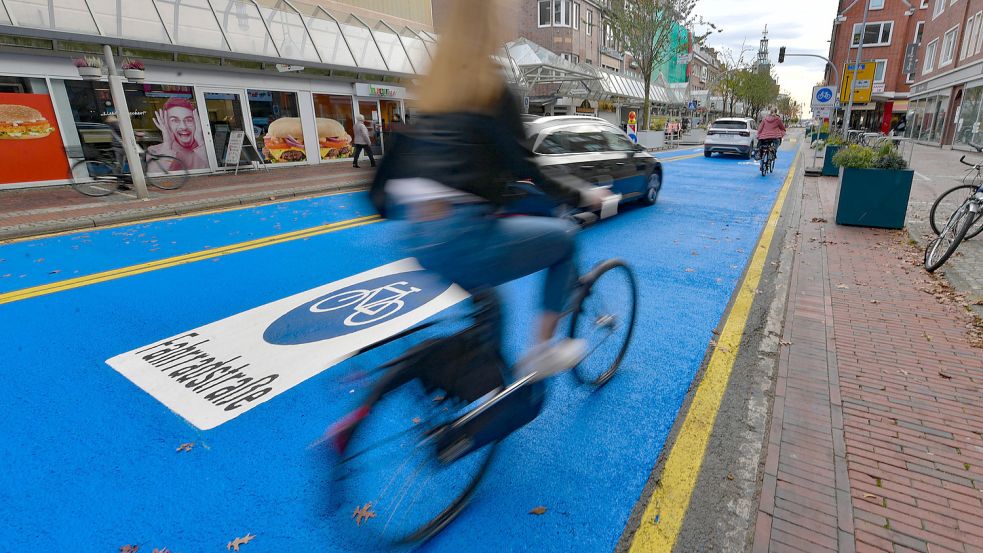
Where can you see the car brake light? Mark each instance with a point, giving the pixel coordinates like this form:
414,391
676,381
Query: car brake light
745,133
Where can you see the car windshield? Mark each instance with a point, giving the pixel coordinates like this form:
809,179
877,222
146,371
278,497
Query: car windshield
730,125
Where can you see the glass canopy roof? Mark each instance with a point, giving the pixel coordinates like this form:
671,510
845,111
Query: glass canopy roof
277,29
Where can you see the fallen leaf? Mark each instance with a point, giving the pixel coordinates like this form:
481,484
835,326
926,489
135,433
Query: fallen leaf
818,220
869,496
538,510
129,549
690,269
874,301
784,343
416,420
55,272
730,476
363,513
945,376
185,446
437,399
234,544
842,286
165,550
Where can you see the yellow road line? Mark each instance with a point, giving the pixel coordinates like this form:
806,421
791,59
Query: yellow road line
678,158
667,507
114,274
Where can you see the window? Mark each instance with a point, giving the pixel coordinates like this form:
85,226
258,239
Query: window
930,56
340,111
590,21
919,32
545,13
968,38
978,32
608,36
939,7
948,46
877,4
880,69
282,142
617,142
571,57
576,16
875,34
924,4
561,13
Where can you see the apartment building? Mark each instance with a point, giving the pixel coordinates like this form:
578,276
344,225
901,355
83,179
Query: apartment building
891,26
948,92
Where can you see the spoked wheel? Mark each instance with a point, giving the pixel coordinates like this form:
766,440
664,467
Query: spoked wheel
166,172
948,203
390,487
94,178
604,316
943,246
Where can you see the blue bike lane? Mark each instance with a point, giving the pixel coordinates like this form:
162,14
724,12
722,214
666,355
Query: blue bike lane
92,458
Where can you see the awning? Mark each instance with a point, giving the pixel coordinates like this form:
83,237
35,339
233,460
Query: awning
539,66
280,31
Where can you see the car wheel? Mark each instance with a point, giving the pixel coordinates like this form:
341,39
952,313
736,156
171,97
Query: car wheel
652,190
706,153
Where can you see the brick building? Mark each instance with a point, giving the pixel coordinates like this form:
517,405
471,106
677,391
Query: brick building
891,26
946,97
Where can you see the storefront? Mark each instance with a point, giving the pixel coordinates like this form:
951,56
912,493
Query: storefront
205,78
927,116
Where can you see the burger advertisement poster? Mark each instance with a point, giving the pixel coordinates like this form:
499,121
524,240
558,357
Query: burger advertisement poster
31,148
284,140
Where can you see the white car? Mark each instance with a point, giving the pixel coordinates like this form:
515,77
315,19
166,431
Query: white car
731,135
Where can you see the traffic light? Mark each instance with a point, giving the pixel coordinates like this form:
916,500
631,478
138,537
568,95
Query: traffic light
781,55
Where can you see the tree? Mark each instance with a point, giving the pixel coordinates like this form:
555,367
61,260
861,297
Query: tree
789,108
757,90
645,28
727,83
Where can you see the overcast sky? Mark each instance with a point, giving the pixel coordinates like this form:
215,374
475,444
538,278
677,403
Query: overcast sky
803,26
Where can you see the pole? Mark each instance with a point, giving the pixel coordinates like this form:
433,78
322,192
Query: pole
125,125
856,68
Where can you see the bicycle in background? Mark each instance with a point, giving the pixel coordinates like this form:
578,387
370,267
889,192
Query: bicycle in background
101,175
956,215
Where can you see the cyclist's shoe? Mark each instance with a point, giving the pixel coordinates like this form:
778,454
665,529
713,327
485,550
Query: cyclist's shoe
551,358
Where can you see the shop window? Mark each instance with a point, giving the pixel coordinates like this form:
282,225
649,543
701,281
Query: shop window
277,126
31,148
335,125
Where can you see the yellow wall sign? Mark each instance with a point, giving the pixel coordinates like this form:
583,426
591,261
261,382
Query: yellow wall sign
864,82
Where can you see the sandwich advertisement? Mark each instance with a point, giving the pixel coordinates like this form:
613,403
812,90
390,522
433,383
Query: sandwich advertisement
284,140
31,148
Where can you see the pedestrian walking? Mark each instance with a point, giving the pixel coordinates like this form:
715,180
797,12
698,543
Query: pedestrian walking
362,141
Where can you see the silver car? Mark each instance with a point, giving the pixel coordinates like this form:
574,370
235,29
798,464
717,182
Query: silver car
731,135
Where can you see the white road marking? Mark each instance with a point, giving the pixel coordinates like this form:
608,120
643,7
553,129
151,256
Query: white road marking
922,176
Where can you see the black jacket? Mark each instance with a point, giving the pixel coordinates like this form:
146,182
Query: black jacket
475,153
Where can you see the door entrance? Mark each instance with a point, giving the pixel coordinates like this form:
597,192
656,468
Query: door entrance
392,117
370,110
225,113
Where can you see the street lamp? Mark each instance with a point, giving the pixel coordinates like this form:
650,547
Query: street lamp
840,18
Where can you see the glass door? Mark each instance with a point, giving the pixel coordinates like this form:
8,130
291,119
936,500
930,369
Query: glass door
224,112
370,110
392,118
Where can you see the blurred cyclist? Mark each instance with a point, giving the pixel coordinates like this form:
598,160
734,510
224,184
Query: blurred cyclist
447,174
771,131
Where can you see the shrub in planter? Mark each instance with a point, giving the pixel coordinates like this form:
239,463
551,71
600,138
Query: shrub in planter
874,187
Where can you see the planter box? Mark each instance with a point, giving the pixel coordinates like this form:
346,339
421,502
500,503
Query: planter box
830,170
873,197
652,139
90,72
133,74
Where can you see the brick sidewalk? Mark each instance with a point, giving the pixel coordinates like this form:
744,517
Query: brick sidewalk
876,441
28,212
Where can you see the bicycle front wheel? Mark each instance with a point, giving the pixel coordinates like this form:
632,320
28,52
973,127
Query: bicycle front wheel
948,203
165,172
604,316
390,486
942,247
94,178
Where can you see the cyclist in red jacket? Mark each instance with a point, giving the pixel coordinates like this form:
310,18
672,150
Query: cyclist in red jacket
771,130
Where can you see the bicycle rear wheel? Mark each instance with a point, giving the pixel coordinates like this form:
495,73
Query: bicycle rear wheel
101,179
604,315
942,247
947,204
390,486
165,172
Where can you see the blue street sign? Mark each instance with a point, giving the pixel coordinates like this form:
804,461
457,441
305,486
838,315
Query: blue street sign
692,104
824,95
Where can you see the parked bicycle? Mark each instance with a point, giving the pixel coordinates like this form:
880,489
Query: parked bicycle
962,221
102,175
416,449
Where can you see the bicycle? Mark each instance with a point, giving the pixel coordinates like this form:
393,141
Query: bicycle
105,176
414,452
951,200
767,152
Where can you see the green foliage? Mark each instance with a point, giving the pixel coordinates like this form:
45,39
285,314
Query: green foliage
658,123
835,140
855,156
889,158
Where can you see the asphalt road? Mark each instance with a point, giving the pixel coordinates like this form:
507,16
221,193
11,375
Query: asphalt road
92,458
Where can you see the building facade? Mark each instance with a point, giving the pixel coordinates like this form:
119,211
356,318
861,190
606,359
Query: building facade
947,96
216,71
892,25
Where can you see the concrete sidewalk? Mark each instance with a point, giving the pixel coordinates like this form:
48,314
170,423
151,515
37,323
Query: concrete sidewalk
32,212
876,434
